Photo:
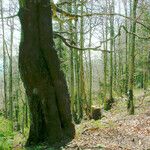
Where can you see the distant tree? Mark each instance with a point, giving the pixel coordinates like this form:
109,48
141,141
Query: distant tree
132,59
4,60
109,101
105,59
126,49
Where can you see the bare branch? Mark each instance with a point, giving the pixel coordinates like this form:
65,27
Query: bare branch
9,17
75,16
140,37
78,48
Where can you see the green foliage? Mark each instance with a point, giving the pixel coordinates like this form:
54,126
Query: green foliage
6,134
22,3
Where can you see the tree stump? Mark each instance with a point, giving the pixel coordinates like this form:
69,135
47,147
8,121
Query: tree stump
95,113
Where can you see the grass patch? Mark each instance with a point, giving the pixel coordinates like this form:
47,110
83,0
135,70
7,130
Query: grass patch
6,134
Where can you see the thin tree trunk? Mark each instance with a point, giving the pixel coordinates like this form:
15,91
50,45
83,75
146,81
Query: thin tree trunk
110,100
76,114
105,32
16,106
81,71
4,61
71,59
10,73
126,51
132,59
90,65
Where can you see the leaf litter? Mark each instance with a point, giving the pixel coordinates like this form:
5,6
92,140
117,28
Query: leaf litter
116,130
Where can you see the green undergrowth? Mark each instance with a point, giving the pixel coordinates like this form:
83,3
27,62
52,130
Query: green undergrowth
9,139
6,134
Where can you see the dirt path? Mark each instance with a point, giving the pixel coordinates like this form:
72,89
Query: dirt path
116,131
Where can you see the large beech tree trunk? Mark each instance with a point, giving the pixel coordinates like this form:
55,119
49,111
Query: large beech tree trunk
43,80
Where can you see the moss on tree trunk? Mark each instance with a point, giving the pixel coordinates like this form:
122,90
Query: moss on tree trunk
44,82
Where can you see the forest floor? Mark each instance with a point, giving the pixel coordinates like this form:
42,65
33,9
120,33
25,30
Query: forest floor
116,130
